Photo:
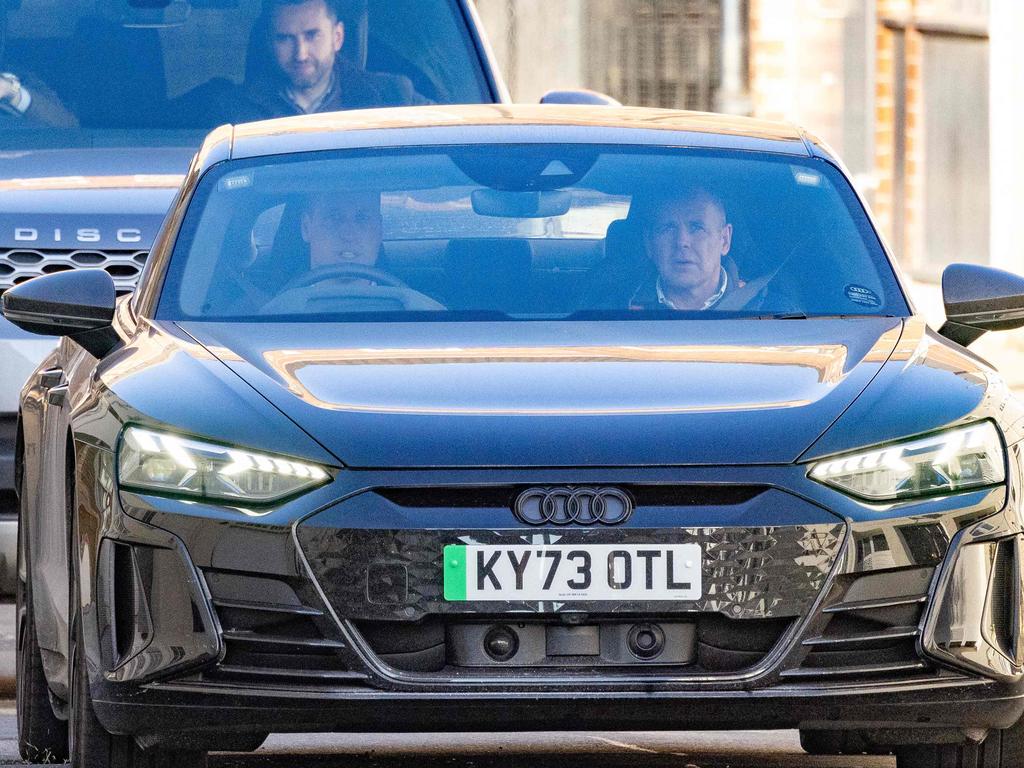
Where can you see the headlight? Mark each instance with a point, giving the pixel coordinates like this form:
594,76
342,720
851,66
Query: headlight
167,463
954,460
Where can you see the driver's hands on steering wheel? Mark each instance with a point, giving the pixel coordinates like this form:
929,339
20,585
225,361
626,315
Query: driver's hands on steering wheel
352,282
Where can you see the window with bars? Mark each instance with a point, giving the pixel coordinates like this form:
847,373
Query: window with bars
664,53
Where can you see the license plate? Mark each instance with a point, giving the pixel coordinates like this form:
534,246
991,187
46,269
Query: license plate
563,572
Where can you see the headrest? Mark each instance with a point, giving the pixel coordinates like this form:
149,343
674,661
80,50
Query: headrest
623,240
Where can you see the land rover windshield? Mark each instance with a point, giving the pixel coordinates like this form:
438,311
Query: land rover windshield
134,73
521,232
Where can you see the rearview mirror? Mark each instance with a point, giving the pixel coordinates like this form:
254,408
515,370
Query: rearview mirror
980,299
521,205
77,303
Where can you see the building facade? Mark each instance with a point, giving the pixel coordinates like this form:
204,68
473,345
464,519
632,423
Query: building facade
923,100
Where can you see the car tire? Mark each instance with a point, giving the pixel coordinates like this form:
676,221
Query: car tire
42,736
839,743
90,745
821,742
1002,749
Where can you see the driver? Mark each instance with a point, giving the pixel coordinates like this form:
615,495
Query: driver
686,235
342,228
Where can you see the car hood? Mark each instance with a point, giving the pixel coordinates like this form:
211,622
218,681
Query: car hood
88,198
559,394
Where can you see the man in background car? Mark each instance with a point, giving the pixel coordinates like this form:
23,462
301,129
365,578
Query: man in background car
687,236
306,72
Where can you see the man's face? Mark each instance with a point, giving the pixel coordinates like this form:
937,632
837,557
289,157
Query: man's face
305,39
686,239
343,228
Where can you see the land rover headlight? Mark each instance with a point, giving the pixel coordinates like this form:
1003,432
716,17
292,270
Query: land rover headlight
163,462
954,460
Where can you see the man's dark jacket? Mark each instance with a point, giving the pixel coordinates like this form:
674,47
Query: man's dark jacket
221,101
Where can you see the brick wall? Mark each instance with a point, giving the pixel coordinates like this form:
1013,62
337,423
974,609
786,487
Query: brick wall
796,64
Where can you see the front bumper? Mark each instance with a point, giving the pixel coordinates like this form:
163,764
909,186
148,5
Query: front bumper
326,614
175,713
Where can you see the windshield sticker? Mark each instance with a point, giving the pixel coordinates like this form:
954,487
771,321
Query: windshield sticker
858,294
806,178
236,181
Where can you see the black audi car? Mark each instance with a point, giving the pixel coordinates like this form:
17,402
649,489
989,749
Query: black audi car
479,418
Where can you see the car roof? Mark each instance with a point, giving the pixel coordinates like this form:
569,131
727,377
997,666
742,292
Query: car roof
507,123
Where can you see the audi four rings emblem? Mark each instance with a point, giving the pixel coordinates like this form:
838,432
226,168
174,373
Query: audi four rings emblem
562,506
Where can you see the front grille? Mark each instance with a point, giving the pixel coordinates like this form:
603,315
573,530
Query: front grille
388,574
20,264
496,496
271,638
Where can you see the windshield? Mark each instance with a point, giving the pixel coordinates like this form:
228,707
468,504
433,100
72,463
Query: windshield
526,232
164,72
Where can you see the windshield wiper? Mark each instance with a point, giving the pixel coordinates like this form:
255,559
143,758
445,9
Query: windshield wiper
805,316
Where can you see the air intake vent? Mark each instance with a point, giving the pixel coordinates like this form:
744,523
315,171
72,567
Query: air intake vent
872,634
271,638
125,604
1004,598
125,600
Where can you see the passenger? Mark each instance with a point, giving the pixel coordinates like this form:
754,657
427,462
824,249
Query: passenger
686,235
306,74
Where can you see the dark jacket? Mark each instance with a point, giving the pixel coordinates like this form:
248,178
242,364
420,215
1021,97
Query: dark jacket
220,101
352,89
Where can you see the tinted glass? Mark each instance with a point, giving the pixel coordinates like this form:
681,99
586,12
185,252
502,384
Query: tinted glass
128,72
524,232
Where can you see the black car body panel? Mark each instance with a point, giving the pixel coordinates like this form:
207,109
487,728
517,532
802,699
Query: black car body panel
326,610
600,401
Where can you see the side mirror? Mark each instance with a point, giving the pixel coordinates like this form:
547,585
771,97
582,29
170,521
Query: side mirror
980,299
77,303
581,96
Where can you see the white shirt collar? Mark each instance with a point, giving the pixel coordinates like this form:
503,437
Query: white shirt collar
723,283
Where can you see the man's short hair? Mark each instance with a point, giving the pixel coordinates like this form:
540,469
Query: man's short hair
339,10
272,5
643,207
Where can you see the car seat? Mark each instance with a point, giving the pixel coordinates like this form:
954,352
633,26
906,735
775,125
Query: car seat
625,266
489,274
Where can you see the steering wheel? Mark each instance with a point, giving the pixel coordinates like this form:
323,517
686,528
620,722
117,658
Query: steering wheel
344,272
303,290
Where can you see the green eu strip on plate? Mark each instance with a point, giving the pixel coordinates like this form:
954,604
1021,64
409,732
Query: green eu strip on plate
455,572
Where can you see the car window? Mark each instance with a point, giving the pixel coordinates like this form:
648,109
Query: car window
184,65
526,231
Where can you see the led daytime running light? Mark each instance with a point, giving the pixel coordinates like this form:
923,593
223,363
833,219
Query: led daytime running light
955,460
159,461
